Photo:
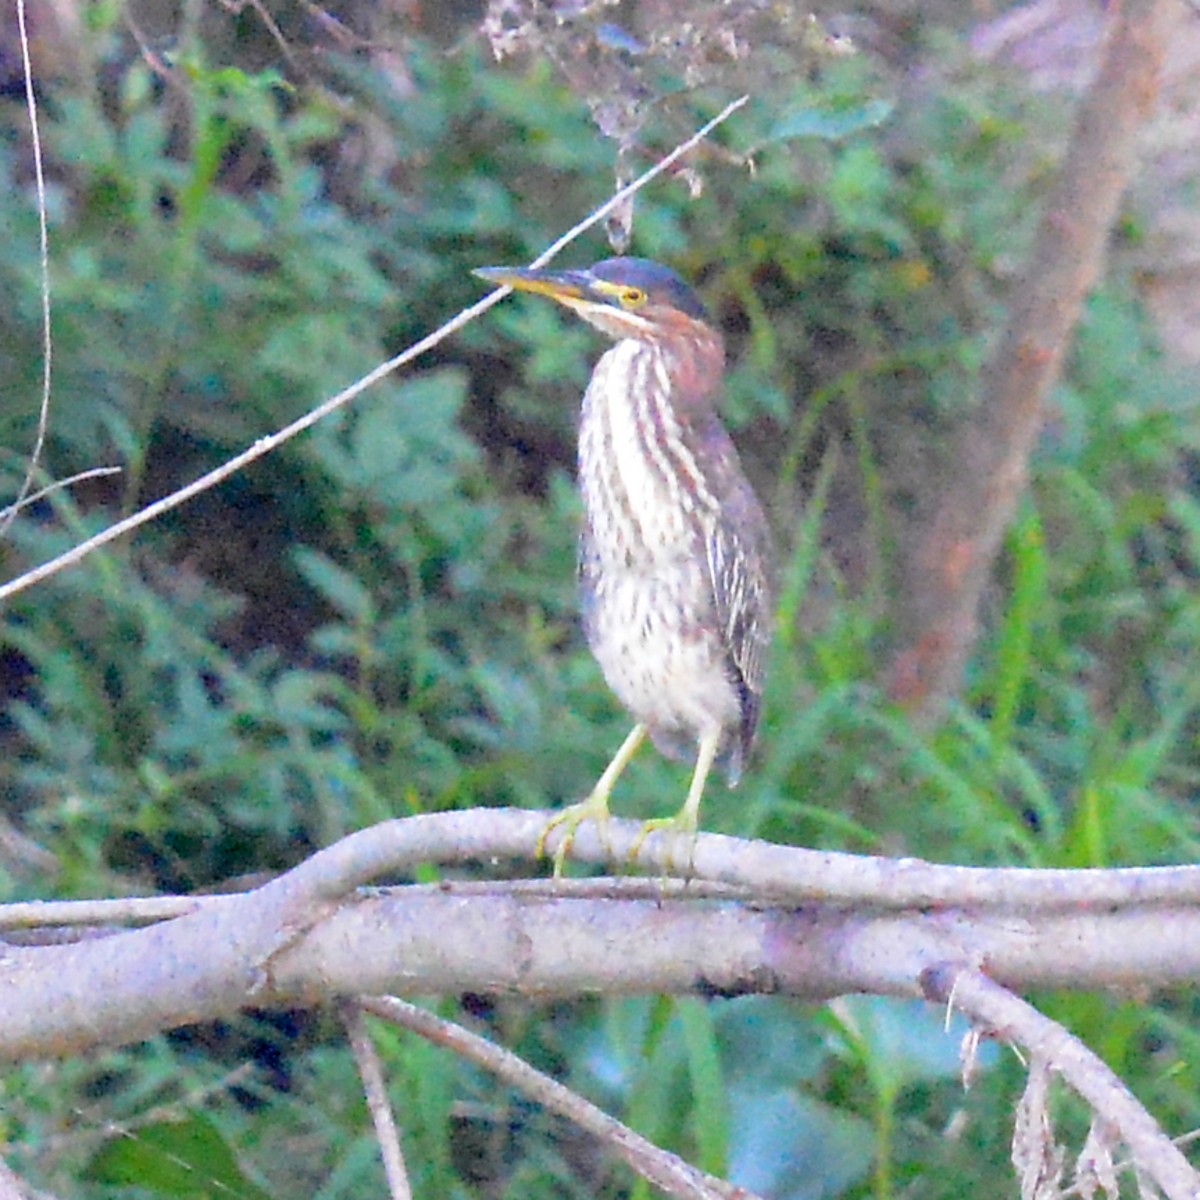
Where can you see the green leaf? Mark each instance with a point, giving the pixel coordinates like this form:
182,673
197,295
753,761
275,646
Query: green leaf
338,587
710,1110
1014,654
184,1160
829,124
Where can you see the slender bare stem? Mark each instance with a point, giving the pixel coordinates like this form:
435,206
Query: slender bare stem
9,514
273,441
660,1167
370,1071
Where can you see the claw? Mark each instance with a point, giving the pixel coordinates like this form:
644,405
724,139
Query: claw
686,820
682,824
593,808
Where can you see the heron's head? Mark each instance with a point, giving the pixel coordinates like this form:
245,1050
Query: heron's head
624,297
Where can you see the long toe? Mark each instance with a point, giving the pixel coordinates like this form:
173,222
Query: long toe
594,808
680,832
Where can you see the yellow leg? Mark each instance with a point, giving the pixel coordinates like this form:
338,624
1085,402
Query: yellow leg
595,807
686,819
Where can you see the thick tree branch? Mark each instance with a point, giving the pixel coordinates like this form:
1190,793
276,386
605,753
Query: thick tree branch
720,866
955,558
778,873
314,934
309,936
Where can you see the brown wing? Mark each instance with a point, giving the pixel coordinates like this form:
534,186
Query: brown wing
741,570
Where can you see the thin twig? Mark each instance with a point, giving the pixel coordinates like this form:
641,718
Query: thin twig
126,911
151,57
91,1126
264,15
663,1169
270,442
1127,1164
8,512
86,917
35,458
1015,1020
370,1071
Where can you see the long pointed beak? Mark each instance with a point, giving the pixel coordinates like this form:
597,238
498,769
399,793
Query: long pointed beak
558,285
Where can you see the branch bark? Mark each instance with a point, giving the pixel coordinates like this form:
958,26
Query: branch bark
314,935
821,925
953,562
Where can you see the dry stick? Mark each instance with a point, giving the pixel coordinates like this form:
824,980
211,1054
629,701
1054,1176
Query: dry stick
438,939
662,1168
953,561
985,1001
24,501
370,1071
9,514
63,916
126,911
1127,1164
266,444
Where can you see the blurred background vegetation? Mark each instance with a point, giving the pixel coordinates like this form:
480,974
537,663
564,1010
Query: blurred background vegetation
251,205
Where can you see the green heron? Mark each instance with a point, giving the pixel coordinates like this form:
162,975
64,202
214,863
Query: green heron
675,560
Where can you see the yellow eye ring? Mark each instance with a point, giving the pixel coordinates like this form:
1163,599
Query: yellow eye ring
632,297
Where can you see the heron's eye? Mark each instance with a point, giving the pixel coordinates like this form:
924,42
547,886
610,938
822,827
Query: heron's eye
633,297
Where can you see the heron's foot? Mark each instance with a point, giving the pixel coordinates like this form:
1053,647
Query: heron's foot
681,829
594,808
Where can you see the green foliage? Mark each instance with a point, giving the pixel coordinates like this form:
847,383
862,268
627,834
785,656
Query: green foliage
836,121
381,619
187,1159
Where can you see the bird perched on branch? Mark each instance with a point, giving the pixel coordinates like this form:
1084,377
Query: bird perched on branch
675,562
